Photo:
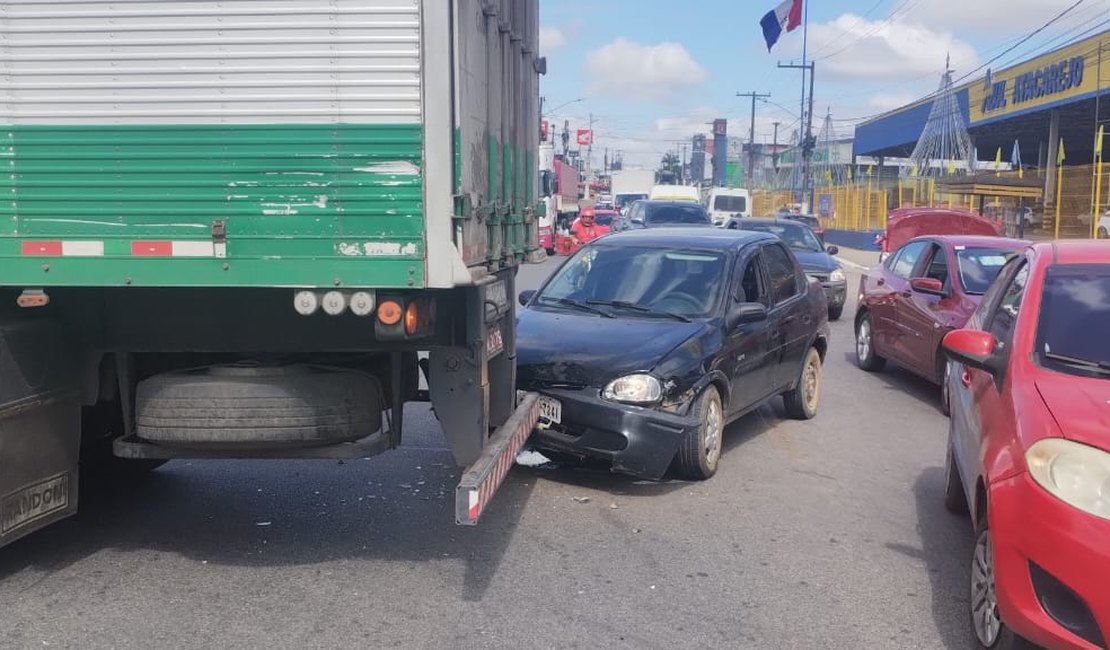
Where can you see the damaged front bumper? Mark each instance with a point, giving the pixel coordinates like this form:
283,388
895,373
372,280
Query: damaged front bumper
640,441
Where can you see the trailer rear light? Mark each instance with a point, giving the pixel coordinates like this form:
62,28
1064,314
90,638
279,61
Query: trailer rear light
306,302
389,313
334,303
412,318
33,298
362,303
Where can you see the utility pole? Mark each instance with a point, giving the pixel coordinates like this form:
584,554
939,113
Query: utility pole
682,169
808,142
590,150
751,135
775,149
566,138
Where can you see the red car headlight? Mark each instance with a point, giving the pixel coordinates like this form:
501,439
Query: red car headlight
1075,473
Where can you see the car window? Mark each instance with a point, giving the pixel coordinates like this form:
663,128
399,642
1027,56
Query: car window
680,214
937,266
908,258
781,271
687,282
750,285
979,267
727,203
795,235
1005,314
1074,320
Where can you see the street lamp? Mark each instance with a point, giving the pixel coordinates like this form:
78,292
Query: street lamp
564,104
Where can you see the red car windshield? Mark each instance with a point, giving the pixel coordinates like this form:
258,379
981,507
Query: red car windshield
979,267
1074,331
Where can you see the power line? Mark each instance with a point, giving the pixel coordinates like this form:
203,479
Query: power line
903,8
859,23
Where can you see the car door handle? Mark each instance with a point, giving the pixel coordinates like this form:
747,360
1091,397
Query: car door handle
881,282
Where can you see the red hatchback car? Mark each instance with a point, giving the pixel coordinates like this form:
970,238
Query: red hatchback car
1029,448
923,290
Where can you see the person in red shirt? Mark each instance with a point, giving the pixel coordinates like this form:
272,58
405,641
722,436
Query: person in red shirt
585,229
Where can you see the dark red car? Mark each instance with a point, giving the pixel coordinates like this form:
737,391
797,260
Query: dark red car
923,290
1029,448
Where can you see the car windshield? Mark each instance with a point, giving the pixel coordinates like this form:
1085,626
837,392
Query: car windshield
644,282
692,214
729,203
796,236
1075,319
979,267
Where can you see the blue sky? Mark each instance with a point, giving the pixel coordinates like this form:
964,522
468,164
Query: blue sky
655,71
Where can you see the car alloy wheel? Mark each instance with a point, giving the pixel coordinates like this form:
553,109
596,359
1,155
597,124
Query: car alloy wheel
985,619
714,426
863,339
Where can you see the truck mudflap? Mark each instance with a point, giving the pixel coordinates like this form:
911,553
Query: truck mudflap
481,480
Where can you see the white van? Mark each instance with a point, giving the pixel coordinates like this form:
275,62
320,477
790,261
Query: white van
726,202
675,193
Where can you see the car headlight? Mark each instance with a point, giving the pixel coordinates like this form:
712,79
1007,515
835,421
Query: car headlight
634,389
837,276
1072,472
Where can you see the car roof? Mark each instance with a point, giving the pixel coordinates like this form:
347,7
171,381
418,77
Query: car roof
979,241
699,237
670,202
1077,251
765,220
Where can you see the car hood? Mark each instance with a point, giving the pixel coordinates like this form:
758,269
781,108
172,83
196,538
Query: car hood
821,262
1080,406
567,349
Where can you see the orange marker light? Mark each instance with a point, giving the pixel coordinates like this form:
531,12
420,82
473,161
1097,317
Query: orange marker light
412,318
389,313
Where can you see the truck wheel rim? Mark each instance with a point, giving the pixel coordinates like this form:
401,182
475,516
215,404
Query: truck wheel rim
713,427
984,600
863,340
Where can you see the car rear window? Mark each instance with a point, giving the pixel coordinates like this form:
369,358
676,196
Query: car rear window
1073,334
979,267
730,204
688,214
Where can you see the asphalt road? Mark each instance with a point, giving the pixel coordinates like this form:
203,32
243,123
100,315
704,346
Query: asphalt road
822,534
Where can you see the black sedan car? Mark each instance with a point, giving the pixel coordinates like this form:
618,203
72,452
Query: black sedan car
817,259
645,344
668,214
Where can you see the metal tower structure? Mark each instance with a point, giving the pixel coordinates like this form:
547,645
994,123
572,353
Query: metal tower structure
828,168
944,147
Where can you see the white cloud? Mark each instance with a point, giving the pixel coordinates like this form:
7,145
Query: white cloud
551,39
1001,17
890,101
860,50
633,71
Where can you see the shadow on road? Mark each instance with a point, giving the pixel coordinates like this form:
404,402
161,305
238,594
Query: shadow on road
946,543
903,381
395,507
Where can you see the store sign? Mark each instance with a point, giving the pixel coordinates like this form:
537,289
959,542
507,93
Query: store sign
1051,79
1059,76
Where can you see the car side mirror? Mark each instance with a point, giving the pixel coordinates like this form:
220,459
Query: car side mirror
525,297
746,312
927,285
832,250
973,348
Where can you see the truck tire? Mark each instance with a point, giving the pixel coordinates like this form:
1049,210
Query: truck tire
234,407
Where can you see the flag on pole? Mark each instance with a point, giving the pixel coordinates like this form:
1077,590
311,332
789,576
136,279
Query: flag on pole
869,169
974,162
1015,160
1098,142
849,172
783,18
952,167
997,161
1060,153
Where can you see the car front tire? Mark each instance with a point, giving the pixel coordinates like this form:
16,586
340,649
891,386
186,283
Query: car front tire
836,312
954,498
987,629
700,450
866,357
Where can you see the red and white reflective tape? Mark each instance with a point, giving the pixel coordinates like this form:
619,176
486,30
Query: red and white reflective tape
479,496
62,248
173,249
88,248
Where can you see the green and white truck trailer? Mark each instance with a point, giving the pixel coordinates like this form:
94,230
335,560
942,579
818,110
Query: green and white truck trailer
230,229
